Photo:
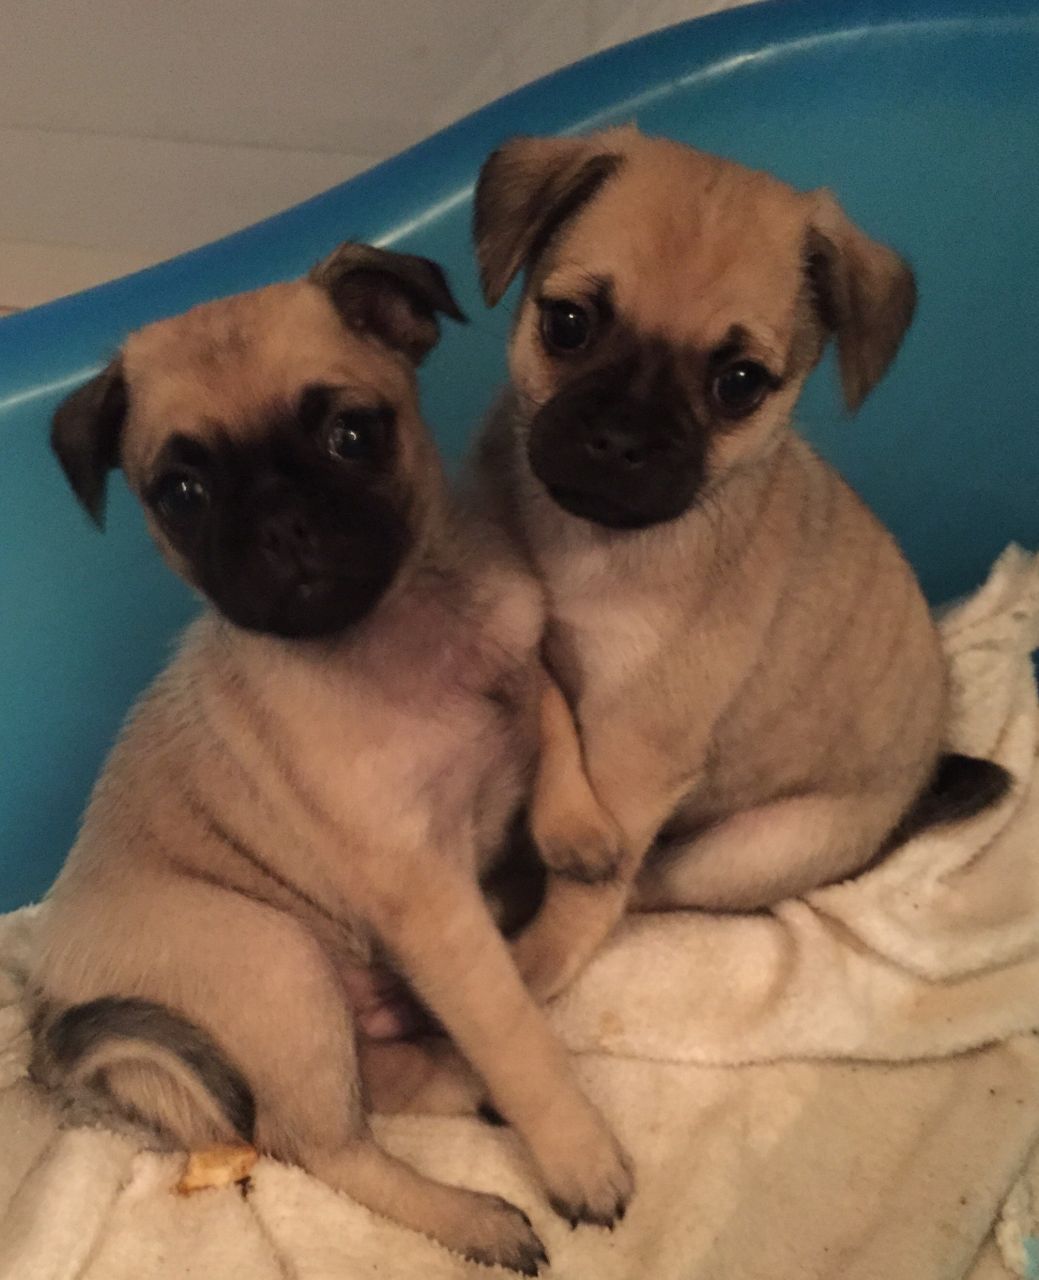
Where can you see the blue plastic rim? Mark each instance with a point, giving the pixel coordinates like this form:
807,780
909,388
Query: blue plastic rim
922,116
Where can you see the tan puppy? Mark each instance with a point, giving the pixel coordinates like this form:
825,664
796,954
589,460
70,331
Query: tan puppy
319,777
755,674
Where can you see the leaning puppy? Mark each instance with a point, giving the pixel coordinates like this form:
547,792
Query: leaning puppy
324,769
756,678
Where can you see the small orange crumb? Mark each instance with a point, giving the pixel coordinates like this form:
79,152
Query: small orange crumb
220,1166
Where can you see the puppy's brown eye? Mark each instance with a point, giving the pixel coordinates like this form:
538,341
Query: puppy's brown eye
352,436
565,327
180,497
740,388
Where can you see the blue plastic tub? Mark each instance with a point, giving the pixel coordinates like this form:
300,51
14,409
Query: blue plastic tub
922,116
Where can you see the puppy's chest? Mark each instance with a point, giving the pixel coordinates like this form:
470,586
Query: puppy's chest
434,717
602,636
457,706
441,664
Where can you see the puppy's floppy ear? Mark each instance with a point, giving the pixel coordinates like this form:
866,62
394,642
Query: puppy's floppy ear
526,190
395,297
864,292
85,434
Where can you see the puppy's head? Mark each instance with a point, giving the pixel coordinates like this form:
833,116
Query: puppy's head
674,304
274,439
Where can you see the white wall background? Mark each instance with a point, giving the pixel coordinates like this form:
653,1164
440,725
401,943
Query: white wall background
133,129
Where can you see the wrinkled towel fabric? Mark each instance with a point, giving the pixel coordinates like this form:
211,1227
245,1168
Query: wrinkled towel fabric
846,1088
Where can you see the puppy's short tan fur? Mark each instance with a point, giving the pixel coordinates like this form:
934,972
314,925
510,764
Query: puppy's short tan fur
756,677
282,807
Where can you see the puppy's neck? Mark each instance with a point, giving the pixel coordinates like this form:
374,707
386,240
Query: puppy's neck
566,548
462,600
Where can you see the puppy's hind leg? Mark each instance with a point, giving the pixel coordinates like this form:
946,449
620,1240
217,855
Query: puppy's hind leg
287,1033
761,856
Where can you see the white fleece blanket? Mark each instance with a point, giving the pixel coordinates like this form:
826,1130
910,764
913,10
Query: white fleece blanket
845,1089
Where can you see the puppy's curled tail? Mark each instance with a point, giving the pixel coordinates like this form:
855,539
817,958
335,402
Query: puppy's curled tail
960,787
157,1066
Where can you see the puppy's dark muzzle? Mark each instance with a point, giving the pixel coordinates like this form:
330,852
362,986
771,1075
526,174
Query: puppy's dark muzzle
622,462
310,573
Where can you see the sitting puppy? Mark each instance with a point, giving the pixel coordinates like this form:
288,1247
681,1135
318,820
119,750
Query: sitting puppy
331,759
756,678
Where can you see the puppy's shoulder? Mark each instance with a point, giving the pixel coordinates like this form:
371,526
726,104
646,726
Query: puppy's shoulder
165,725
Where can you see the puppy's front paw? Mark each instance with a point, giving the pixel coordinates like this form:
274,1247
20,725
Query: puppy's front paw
598,1199
588,1176
581,843
509,1239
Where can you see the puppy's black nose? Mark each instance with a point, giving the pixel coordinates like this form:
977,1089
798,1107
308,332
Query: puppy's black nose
615,446
288,536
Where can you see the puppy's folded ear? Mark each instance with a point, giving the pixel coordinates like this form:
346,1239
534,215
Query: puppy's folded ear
85,434
526,190
865,294
395,297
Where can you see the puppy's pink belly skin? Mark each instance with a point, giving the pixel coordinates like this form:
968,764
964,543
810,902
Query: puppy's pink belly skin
394,1020
382,1006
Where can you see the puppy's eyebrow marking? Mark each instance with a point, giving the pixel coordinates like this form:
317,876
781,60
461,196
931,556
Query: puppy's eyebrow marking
739,341
183,449
594,285
733,344
603,294
313,403
579,284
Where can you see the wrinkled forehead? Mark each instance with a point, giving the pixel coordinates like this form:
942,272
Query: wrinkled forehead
689,246
225,367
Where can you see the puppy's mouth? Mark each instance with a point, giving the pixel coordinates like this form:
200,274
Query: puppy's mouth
627,500
324,603
319,597
314,608
599,509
